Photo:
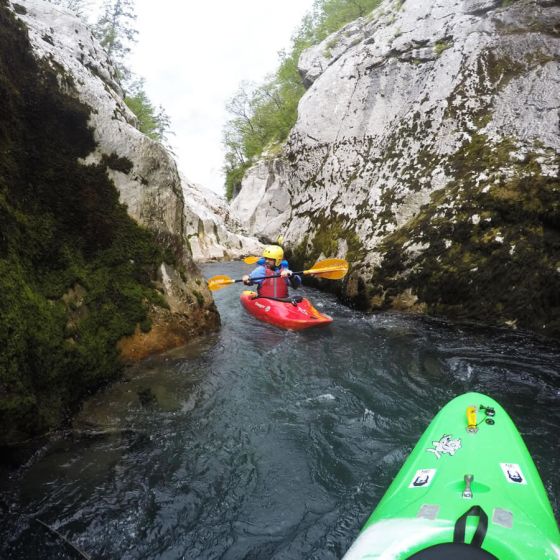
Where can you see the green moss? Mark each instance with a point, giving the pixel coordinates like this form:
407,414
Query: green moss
490,74
499,267
327,52
199,298
482,119
117,163
328,231
442,45
388,201
61,226
501,70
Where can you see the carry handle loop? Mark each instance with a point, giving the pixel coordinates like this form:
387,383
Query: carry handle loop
461,526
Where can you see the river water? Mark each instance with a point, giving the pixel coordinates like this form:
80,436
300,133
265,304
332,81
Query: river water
261,443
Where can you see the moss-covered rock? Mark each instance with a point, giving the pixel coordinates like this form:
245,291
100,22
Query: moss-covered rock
427,153
488,247
77,274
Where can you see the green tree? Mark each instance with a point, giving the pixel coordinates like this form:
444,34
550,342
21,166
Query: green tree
153,122
331,15
115,31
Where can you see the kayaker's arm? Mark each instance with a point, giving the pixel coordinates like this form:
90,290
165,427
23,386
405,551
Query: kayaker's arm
294,280
256,277
333,269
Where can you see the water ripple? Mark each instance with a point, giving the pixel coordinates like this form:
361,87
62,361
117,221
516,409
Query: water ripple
263,443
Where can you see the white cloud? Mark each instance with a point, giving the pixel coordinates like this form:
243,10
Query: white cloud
194,55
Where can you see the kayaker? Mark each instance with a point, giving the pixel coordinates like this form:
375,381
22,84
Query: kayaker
272,263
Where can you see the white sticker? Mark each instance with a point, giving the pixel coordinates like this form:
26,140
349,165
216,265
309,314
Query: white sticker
422,478
445,445
513,473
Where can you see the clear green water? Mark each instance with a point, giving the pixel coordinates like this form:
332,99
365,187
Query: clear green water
261,443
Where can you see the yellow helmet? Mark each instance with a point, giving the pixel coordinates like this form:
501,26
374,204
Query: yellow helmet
273,252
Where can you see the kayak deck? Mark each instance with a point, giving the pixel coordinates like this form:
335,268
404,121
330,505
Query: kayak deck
287,315
484,469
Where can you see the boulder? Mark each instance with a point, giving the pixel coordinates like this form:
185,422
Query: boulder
418,117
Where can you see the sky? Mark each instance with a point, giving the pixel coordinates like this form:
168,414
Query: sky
194,54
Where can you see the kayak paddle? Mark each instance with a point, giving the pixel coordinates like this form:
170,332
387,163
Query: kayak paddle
333,269
251,260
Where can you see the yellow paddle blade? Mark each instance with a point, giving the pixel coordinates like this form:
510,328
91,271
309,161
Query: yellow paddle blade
251,260
333,269
219,282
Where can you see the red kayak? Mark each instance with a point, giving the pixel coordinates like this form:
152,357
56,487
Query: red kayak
294,313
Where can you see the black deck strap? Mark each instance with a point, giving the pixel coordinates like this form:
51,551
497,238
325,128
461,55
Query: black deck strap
452,551
461,526
293,300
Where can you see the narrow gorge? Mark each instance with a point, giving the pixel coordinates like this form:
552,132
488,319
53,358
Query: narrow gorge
425,152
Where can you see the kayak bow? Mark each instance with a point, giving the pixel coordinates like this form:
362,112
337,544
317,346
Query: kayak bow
470,479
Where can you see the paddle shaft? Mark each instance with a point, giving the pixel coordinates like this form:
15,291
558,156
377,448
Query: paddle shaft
310,271
265,277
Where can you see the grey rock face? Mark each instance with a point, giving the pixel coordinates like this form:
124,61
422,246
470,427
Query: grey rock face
151,190
479,7
143,172
314,61
427,113
213,233
263,204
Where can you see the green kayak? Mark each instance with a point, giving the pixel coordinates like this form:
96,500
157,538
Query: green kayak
469,490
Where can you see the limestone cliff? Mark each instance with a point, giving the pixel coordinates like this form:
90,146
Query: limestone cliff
212,232
263,204
144,173
426,151
93,257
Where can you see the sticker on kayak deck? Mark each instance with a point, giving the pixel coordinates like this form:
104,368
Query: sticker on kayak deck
445,446
422,478
513,473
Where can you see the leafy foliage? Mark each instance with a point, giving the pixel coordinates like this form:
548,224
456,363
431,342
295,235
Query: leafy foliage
262,116
115,31
153,122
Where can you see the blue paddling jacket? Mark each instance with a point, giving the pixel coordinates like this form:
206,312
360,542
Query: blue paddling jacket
275,287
